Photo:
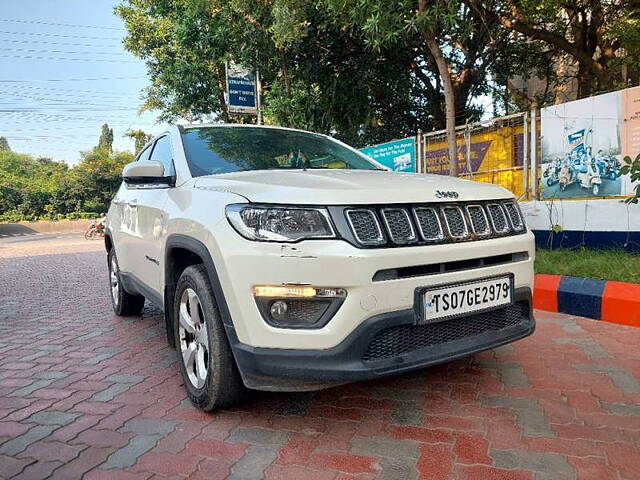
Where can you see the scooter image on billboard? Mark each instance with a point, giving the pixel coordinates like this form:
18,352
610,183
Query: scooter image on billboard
580,166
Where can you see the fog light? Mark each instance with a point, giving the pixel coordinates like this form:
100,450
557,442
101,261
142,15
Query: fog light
298,306
279,310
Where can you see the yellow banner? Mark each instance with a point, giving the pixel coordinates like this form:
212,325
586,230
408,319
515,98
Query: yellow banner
495,157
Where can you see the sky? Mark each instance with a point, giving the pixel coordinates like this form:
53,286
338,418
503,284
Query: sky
63,73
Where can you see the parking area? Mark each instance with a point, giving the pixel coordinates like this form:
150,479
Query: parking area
83,392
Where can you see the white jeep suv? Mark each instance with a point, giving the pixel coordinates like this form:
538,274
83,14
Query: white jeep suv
286,260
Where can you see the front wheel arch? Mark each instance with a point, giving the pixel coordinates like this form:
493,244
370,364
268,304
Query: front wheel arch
182,243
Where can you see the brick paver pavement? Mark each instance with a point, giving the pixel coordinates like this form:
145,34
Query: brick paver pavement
84,393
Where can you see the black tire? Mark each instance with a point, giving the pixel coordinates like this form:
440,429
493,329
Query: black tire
222,386
124,304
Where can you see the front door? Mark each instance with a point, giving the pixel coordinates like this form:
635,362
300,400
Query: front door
151,220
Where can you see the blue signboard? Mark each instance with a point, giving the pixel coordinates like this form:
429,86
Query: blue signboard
241,89
399,155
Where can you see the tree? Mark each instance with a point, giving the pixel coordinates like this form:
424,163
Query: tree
141,138
601,37
363,71
105,141
4,145
94,181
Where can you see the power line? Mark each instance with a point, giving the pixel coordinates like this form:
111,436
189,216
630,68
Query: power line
66,92
33,116
42,34
34,57
29,50
83,127
64,43
64,102
38,22
37,109
73,79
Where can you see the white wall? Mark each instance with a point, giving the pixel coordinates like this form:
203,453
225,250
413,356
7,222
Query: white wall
582,215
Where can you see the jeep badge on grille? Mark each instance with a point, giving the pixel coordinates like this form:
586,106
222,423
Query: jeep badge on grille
449,194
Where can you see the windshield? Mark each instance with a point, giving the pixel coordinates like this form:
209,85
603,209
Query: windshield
212,150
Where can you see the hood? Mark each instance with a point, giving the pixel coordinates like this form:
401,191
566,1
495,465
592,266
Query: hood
346,187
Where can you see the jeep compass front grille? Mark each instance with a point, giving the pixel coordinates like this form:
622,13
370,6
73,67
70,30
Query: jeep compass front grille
401,225
365,227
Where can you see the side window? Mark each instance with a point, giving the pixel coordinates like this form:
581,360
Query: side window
162,153
144,155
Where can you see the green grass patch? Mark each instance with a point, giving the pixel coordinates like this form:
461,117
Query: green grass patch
601,264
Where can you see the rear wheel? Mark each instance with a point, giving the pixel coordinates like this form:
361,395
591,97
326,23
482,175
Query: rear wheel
124,304
208,369
595,188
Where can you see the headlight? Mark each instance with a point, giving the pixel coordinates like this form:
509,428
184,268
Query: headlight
279,224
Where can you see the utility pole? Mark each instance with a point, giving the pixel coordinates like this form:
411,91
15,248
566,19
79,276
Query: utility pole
259,98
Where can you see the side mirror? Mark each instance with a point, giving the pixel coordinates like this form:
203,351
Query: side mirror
149,172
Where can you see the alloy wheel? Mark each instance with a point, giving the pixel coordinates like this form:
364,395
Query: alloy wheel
194,338
113,277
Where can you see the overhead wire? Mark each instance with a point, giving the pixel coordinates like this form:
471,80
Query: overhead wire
72,79
34,57
74,25
64,52
58,35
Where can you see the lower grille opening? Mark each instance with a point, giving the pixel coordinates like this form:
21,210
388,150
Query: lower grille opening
394,341
436,268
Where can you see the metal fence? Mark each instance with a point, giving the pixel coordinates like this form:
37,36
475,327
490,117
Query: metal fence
499,150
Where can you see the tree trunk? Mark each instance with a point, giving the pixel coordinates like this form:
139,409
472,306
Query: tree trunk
449,101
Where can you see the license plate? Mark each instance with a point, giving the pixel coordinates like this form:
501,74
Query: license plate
446,301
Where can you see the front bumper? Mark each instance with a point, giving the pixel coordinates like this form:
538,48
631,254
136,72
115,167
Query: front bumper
383,344
337,264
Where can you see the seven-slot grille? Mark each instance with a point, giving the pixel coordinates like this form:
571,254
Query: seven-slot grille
365,226
498,218
454,219
428,223
398,225
403,225
514,216
479,221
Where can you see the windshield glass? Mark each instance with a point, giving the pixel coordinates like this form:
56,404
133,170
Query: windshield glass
212,150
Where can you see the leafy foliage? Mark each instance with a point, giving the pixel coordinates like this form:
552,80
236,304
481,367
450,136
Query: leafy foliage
601,38
141,138
32,188
631,167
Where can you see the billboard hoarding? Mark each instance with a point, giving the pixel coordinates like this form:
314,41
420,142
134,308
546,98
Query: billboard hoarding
584,141
398,155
